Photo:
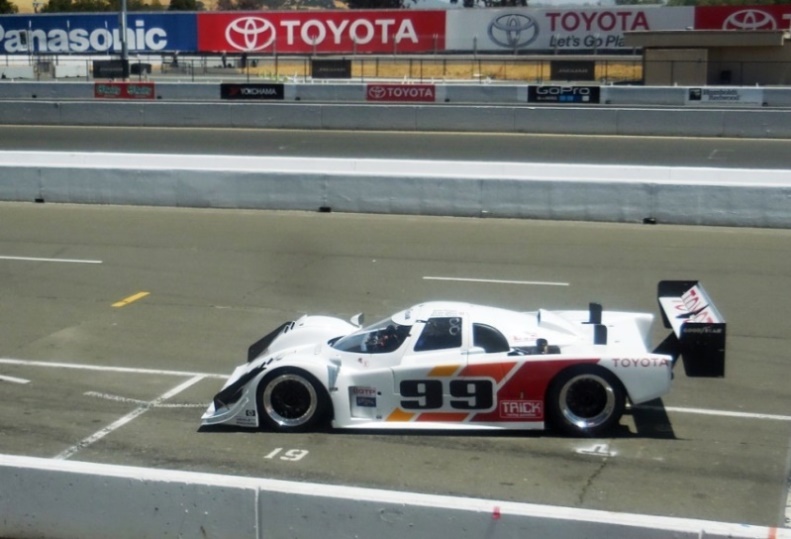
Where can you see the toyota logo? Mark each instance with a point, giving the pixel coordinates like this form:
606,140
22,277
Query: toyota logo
376,92
250,34
749,19
513,31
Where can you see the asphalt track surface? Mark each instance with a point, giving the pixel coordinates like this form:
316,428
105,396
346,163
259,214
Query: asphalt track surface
611,150
118,325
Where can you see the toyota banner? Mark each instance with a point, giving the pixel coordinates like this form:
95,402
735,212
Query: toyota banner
502,30
559,29
307,32
776,17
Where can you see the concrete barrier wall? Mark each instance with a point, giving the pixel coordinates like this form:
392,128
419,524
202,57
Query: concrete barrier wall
354,91
64,499
758,123
693,196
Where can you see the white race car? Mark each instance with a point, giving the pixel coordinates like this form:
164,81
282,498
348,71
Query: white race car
450,365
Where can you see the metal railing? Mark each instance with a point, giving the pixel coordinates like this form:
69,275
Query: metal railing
419,68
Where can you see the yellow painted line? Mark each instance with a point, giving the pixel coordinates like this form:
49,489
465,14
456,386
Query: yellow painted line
126,301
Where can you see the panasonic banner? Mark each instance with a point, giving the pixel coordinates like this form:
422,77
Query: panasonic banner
96,34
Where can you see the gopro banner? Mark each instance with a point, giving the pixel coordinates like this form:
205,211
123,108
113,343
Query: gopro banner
88,34
563,94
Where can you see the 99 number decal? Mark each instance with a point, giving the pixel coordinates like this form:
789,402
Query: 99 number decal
464,394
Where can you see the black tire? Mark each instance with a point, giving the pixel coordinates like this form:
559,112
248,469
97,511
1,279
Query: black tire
585,400
292,400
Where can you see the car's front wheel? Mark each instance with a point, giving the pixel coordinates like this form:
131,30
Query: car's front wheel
585,401
291,400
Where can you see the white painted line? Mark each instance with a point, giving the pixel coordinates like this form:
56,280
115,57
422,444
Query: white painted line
493,281
140,410
484,507
597,450
117,398
104,368
64,260
13,379
720,413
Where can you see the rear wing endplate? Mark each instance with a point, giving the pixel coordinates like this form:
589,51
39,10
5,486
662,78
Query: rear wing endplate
698,328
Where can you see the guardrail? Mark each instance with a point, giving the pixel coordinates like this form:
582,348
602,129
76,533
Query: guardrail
680,195
450,116
400,92
55,498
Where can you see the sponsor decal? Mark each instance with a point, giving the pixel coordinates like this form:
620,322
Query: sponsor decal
720,96
777,17
322,32
589,29
513,31
521,409
705,330
245,421
331,69
73,33
749,19
640,362
252,91
573,70
598,21
124,90
563,94
110,69
366,402
363,397
360,391
401,92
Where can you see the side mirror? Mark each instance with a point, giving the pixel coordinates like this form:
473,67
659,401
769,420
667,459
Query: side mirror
358,319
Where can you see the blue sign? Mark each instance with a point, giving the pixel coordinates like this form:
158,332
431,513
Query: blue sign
71,33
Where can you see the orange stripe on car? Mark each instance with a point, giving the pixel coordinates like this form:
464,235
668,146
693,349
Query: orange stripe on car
399,415
443,370
498,371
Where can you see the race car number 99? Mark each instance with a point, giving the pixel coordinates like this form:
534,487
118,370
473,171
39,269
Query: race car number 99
429,394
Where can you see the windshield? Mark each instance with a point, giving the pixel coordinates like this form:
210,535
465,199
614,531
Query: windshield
380,338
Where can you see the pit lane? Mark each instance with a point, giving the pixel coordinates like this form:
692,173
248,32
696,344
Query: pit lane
84,380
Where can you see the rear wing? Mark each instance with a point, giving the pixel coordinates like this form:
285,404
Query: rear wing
698,328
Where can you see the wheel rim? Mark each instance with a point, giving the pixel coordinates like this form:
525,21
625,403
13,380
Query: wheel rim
587,401
290,400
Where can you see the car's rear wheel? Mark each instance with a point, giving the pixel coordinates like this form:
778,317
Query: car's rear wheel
585,400
291,400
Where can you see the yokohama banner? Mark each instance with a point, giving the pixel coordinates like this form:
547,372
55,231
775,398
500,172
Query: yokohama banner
743,17
322,32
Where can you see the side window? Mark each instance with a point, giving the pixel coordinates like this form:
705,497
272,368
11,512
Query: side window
488,338
440,333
